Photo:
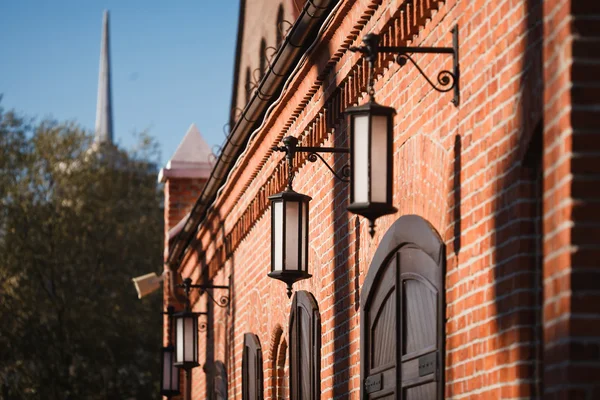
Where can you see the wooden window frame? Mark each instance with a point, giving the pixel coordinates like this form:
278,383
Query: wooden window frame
305,300
252,344
220,380
413,231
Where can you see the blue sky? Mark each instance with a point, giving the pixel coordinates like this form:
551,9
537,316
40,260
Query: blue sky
172,64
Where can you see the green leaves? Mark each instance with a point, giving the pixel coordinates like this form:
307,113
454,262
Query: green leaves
77,222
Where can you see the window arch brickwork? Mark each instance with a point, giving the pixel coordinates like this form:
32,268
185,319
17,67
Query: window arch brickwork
271,369
282,378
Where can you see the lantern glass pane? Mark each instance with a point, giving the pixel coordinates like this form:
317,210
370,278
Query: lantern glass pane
167,367
174,378
304,243
379,159
292,241
278,236
189,340
360,169
179,340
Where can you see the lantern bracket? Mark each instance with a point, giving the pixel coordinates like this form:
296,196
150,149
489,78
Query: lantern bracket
446,80
170,311
291,147
188,286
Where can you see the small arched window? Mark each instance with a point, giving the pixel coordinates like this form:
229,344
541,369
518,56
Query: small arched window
220,381
252,368
279,25
305,347
263,58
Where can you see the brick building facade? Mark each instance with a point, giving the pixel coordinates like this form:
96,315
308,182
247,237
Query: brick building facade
497,194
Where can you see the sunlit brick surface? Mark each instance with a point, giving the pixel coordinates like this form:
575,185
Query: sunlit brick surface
472,171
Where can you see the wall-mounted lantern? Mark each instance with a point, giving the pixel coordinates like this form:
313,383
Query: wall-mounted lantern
289,231
186,326
371,126
186,339
170,373
371,163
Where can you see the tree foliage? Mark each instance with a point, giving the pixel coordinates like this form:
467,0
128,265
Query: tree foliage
77,222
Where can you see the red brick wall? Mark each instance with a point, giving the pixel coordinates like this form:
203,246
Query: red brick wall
474,172
571,217
180,196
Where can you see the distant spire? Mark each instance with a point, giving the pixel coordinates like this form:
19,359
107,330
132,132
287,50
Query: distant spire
104,121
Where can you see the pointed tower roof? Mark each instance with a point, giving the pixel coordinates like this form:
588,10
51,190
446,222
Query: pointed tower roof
192,159
104,120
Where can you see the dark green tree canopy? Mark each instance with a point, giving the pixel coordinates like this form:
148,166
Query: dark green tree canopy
77,222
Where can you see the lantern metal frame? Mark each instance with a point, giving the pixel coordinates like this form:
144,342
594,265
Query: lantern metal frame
371,209
174,378
170,349
194,316
290,276
290,148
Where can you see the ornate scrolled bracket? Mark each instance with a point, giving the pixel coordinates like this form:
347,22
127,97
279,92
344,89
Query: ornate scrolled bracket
447,80
345,172
223,301
202,326
290,148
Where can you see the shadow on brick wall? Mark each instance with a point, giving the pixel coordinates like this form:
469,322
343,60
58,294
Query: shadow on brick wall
209,364
457,192
516,255
344,299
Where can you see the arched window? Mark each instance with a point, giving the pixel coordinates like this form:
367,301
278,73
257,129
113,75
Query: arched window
305,347
279,26
252,368
402,315
263,58
220,381
248,85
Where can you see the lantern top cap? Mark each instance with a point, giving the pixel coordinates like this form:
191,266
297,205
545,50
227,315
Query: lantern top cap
371,107
186,314
290,195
